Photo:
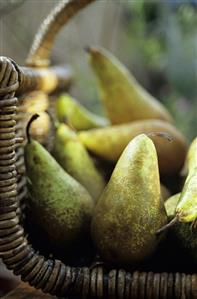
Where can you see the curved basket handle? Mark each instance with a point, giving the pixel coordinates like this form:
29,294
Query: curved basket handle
40,51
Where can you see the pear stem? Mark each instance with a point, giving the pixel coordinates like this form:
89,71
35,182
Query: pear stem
87,49
161,134
34,117
167,226
55,123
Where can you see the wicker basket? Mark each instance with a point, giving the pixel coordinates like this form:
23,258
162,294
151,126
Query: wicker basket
54,276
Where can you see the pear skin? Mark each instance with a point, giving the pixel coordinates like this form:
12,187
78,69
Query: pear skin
192,155
165,193
108,143
191,158
60,205
36,102
76,115
123,97
130,209
182,233
41,128
170,205
74,158
186,209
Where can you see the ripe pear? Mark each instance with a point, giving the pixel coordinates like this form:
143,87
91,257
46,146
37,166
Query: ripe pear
170,205
130,209
76,115
186,210
74,158
61,206
165,193
191,158
182,233
41,129
36,102
108,143
124,98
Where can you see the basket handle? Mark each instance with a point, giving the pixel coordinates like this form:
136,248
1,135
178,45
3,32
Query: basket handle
40,51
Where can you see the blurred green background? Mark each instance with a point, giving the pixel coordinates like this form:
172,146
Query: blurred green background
157,40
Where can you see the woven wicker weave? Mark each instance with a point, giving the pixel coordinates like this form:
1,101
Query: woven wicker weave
54,276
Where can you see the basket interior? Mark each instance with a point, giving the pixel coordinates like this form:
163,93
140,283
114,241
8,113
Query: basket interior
168,257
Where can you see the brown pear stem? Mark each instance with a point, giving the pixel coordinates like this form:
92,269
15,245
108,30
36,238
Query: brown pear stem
87,49
34,117
167,226
161,134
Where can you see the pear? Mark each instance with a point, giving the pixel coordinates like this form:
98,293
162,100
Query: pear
186,210
74,158
170,205
41,129
164,192
181,233
31,103
60,205
76,115
191,158
124,98
34,101
108,143
130,209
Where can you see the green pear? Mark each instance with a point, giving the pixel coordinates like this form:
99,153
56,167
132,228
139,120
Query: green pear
170,205
164,192
130,209
192,155
191,158
124,98
181,233
186,210
74,158
59,204
76,115
108,143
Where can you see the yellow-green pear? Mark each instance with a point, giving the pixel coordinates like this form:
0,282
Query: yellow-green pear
108,143
191,158
74,158
170,205
130,209
59,204
67,108
186,210
192,155
164,192
182,233
124,98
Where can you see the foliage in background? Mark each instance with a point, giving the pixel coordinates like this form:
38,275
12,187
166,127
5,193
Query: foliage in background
157,40
6,6
165,35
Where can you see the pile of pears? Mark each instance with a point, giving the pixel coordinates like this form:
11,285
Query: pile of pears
102,179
